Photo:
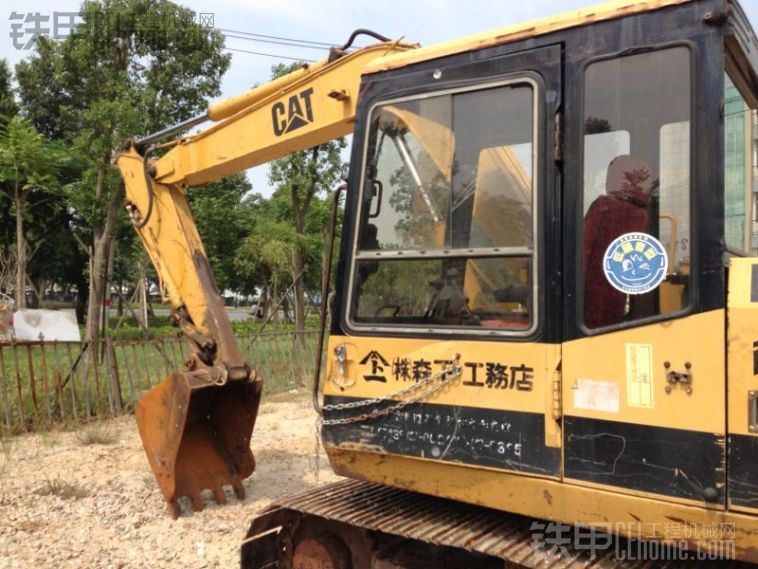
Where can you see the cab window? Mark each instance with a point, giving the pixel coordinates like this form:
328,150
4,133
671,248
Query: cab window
446,234
636,238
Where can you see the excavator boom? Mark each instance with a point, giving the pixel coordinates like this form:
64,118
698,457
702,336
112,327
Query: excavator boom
196,425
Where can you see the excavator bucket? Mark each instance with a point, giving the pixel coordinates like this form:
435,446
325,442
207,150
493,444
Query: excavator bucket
197,436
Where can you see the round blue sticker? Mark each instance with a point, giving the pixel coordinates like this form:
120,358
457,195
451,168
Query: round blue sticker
635,263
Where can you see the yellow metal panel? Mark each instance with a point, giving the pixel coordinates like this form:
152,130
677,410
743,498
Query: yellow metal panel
524,30
532,355
636,516
619,358
742,336
742,332
169,237
350,380
306,109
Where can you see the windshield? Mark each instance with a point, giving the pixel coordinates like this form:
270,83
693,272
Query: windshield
447,229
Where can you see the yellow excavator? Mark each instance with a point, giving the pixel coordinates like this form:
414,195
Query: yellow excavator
543,344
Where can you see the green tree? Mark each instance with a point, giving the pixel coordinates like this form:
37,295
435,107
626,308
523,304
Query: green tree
131,67
223,222
266,255
8,110
304,178
28,163
8,107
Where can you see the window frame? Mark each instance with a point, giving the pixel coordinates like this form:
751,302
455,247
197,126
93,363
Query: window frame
522,77
694,182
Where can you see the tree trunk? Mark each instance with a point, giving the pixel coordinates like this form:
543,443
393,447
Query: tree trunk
103,235
297,263
275,308
264,305
81,300
120,304
20,252
38,292
142,293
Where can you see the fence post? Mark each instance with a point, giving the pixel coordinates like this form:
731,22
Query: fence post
6,396
110,356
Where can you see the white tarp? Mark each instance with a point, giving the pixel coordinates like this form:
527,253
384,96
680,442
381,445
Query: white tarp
48,325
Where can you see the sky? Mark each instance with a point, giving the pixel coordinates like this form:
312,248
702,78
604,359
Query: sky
328,21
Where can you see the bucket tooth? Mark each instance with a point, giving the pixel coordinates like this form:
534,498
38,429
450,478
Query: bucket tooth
239,490
198,504
173,509
219,495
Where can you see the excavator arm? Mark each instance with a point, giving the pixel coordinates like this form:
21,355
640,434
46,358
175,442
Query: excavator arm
196,425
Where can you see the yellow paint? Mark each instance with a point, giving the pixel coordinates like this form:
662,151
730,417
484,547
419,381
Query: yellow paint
247,138
521,31
244,138
622,359
459,393
352,379
550,499
697,339
170,237
741,333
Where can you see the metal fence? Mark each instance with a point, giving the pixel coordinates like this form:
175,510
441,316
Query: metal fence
43,383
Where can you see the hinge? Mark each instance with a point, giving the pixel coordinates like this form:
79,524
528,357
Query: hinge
557,396
558,137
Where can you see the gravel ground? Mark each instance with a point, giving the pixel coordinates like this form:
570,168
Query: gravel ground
87,498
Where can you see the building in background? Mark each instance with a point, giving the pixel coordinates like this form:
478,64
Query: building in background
740,181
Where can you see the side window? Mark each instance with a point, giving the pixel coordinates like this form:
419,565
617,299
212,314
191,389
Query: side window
738,171
636,239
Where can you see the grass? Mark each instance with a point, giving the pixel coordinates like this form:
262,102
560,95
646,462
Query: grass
62,488
51,395
97,434
159,327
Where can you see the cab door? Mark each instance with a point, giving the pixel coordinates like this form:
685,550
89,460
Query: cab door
453,257
643,359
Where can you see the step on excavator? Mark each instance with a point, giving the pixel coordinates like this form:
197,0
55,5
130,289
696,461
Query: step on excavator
543,340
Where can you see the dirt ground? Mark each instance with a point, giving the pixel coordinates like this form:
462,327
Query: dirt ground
87,498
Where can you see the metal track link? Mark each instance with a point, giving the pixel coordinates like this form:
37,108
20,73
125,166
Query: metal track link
428,519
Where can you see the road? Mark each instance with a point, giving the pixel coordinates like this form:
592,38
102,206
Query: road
235,314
